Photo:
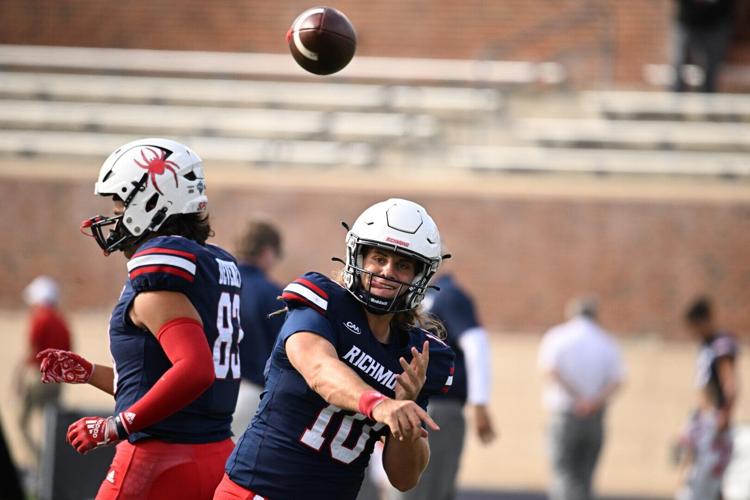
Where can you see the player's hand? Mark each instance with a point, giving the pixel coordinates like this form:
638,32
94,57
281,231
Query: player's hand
68,367
483,424
410,382
404,418
92,432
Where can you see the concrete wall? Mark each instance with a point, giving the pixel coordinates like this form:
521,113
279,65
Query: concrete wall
602,42
522,256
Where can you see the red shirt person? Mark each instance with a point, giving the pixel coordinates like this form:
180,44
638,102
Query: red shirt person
47,329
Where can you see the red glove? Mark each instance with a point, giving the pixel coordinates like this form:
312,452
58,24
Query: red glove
89,433
64,366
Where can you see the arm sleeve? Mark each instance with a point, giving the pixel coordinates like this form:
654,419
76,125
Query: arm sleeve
476,348
192,372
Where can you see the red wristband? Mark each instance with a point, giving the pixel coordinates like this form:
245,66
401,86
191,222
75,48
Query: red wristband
368,401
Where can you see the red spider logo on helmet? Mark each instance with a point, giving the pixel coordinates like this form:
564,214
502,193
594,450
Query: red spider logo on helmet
157,165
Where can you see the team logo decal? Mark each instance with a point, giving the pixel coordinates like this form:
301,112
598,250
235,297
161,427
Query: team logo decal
156,163
352,327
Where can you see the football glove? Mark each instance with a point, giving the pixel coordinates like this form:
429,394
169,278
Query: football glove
68,367
89,433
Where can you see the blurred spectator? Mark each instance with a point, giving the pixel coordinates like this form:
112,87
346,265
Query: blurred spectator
706,441
701,33
471,385
583,369
258,251
47,329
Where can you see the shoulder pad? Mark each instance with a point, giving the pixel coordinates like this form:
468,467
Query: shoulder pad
166,257
310,290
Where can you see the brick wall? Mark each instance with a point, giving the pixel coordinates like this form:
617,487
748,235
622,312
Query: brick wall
522,257
600,41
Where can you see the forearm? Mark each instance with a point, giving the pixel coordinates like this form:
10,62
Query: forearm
404,461
103,378
337,383
191,373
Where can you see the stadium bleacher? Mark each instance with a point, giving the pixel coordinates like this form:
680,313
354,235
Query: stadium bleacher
258,109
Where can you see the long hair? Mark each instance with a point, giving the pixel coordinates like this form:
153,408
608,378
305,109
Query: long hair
194,227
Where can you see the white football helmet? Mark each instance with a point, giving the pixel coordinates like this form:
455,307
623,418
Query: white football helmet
401,226
155,179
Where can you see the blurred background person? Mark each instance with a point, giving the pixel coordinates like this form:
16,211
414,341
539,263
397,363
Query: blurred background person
47,330
259,249
583,368
707,441
472,382
701,33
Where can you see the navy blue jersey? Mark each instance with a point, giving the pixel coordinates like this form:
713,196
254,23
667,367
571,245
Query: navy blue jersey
455,309
299,446
209,278
259,299
720,345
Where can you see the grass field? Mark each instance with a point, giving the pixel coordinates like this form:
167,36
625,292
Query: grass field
641,423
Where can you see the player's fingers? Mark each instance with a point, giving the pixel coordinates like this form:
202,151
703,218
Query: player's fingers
426,352
404,384
395,429
428,420
409,372
44,365
45,353
409,426
416,426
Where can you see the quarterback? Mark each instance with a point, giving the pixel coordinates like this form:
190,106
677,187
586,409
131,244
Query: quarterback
352,365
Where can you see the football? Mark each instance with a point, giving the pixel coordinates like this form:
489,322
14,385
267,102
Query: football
322,40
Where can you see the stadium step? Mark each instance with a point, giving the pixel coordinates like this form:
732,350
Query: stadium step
395,70
212,121
444,101
598,161
30,143
635,134
668,106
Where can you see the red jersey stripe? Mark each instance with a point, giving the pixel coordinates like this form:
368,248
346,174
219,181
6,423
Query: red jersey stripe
287,295
162,269
312,286
170,251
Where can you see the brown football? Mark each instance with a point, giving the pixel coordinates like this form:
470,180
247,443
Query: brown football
322,40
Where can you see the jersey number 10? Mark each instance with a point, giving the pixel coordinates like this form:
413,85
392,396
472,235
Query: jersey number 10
314,436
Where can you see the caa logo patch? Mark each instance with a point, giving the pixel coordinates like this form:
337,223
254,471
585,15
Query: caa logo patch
352,327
